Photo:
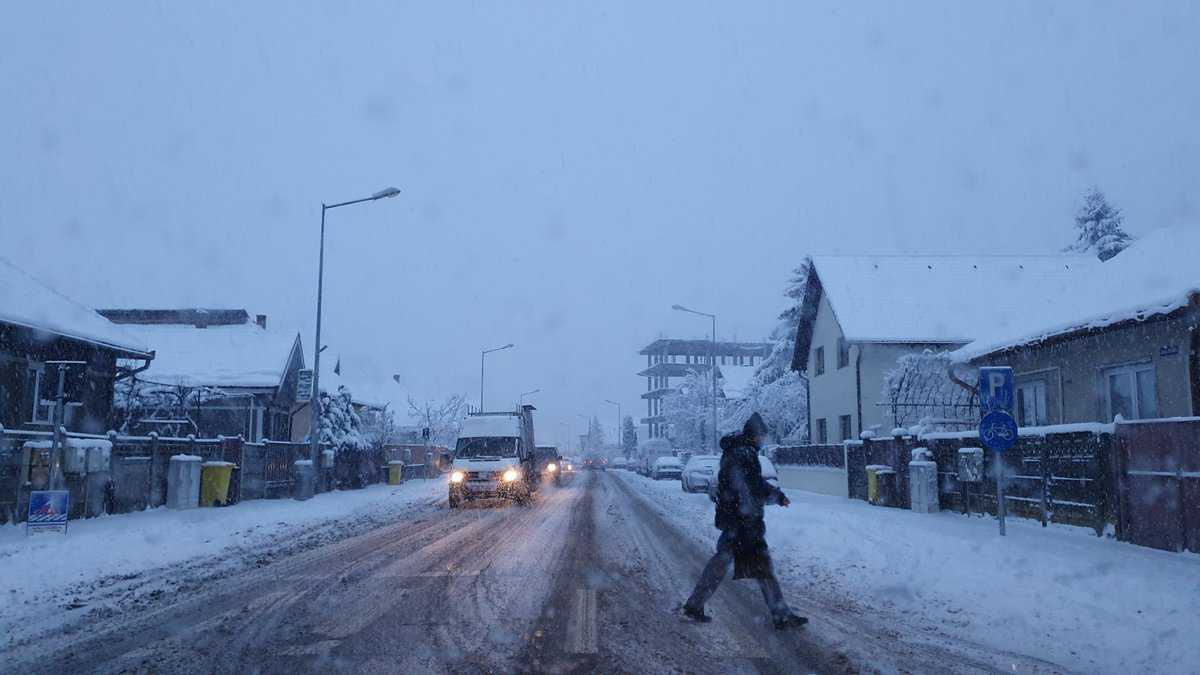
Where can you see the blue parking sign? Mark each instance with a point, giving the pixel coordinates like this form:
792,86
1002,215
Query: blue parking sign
996,389
48,511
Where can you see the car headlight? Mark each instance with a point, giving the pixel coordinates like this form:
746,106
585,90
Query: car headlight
570,467
511,475
457,477
552,467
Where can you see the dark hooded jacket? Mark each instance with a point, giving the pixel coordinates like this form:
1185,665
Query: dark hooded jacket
741,494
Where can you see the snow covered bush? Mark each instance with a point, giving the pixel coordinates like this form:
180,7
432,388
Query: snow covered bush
339,425
920,394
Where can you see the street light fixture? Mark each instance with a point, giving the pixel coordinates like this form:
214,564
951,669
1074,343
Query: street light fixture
618,427
481,355
528,393
712,365
315,407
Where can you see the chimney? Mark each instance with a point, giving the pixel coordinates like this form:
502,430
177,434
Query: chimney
261,320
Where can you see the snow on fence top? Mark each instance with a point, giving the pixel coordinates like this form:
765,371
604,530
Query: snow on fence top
26,301
491,426
241,355
942,299
1075,428
1155,276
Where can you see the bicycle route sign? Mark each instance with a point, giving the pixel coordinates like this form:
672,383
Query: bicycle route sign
998,431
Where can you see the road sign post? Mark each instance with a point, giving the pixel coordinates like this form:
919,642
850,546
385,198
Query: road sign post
997,428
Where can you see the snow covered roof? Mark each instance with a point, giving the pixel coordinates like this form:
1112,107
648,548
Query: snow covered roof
943,299
26,301
735,380
490,426
218,356
1155,276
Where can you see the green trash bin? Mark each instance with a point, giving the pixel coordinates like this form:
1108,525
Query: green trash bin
214,483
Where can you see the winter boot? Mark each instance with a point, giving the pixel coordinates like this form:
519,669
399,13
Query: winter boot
789,620
695,614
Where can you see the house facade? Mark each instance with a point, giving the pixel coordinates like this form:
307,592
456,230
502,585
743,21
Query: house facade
862,313
39,326
219,373
1127,341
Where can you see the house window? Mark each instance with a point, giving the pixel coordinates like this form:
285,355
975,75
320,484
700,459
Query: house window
1031,404
1132,392
819,359
822,432
843,353
844,425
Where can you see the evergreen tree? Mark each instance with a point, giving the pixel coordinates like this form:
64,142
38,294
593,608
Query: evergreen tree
628,437
783,337
1099,226
339,425
775,392
595,436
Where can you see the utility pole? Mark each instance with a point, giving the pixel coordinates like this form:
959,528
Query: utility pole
57,480
712,364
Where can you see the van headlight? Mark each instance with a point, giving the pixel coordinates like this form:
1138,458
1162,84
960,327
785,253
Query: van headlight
552,467
511,475
457,477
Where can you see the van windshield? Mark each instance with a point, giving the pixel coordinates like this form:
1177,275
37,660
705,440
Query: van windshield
486,447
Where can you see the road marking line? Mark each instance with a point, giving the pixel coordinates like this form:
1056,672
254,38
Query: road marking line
584,636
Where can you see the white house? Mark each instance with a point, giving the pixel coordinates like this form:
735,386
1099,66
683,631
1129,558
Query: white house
862,312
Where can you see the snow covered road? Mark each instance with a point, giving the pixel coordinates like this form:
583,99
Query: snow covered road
585,580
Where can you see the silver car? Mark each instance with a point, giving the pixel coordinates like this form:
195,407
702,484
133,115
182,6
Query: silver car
769,474
700,472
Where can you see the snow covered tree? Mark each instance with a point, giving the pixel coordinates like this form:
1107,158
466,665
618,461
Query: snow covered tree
379,427
776,392
920,393
1099,226
783,404
628,437
442,419
339,425
783,338
688,412
594,442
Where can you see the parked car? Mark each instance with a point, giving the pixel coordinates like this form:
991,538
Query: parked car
699,472
648,451
769,473
666,467
620,463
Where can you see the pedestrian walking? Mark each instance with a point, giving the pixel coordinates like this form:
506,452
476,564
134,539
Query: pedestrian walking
741,494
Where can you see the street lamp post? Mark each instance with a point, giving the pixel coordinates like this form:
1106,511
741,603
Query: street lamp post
481,355
712,365
618,421
528,393
315,407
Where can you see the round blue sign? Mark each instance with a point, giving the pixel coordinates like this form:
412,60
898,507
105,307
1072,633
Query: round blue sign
998,431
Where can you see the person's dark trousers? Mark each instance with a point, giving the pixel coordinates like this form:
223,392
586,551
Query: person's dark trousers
715,571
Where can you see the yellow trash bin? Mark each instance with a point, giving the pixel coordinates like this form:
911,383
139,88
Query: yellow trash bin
214,483
395,472
873,493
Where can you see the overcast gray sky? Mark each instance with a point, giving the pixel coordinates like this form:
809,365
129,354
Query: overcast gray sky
569,170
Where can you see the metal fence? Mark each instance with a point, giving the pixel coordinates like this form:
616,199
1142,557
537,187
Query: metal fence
833,456
136,478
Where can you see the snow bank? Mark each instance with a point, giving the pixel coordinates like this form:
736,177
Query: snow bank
132,544
1058,593
186,458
